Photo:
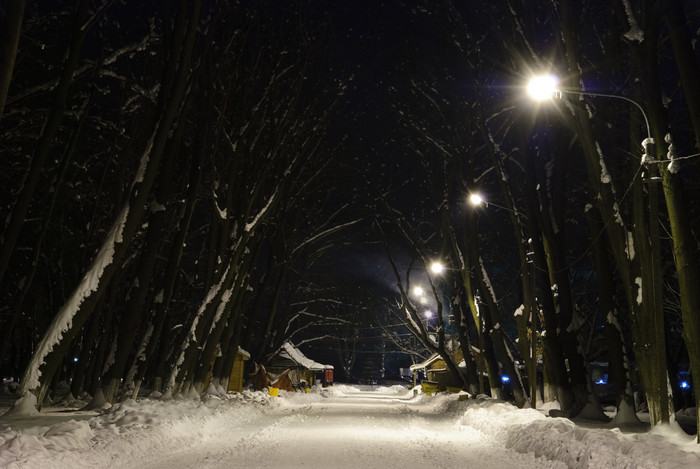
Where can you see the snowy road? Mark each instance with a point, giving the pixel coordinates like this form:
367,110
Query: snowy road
342,427
359,430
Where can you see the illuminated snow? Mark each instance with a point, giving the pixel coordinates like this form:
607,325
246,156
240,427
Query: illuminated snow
341,427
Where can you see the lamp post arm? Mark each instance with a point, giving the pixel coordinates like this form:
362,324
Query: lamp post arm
604,95
507,209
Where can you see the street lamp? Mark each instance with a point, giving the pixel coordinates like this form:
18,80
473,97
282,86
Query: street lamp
437,268
544,87
476,200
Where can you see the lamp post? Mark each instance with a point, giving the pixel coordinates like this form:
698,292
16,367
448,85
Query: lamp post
544,87
476,200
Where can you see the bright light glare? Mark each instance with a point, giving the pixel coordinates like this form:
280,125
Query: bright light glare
423,300
428,314
475,199
437,268
542,87
685,385
418,291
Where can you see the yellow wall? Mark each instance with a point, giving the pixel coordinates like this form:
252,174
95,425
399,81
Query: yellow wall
235,383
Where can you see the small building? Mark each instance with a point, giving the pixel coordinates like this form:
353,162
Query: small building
302,370
235,382
437,373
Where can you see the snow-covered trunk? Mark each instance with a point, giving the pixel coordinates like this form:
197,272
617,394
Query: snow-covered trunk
553,355
490,361
468,254
619,371
226,314
639,273
685,244
204,365
186,354
525,319
87,353
643,252
164,295
497,336
133,315
464,321
687,263
81,303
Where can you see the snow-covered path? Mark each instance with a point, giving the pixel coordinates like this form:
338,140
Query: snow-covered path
355,430
341,427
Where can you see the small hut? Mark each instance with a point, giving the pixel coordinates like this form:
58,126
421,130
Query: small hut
437,373
302,370
235,382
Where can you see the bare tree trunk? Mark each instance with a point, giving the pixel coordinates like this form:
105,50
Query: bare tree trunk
685,244
619,372
151,341
8,48
43,147
686,61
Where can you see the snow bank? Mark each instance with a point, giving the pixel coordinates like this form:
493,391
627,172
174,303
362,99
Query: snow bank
558,439
154,433
129,433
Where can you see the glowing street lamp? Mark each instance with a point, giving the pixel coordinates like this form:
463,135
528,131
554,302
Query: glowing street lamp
437,268
544,87
418,291
476,200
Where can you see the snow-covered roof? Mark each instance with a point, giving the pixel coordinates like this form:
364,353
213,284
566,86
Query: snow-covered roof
425,363
430,360
290,351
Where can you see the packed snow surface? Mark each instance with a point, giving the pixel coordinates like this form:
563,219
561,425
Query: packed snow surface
339,427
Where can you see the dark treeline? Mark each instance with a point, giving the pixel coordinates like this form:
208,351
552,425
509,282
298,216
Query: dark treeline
168,170
180,177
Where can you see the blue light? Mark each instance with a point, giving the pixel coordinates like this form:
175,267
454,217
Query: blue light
75,359
505,379
602,381
685,385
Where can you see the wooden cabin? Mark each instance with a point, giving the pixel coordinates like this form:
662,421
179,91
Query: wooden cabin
437,373
302,370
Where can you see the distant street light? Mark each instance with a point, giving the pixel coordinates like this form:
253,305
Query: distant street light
437,268
418,291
